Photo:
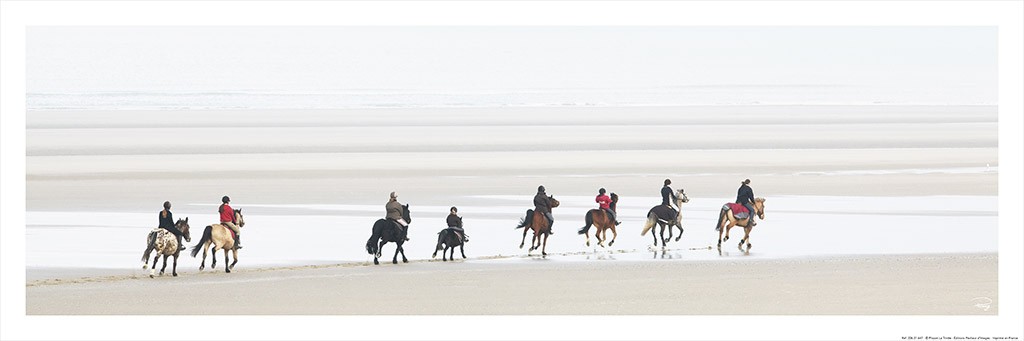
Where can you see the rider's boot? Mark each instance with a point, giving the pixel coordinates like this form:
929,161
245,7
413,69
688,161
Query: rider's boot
238,241
181,247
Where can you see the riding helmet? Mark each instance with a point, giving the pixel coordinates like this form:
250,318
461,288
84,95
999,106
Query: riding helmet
601,191
225,199
668,182
540,189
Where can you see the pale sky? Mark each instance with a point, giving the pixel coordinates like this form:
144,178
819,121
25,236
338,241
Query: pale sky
304,59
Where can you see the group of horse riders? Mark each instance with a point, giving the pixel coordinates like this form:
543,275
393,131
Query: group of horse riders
394,209
227,218
541,202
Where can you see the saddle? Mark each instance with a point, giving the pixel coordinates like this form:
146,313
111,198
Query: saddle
232,232
665,213
738,211
462,236
398,227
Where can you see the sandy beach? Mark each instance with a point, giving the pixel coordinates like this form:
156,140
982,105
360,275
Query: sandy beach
872,209
954,284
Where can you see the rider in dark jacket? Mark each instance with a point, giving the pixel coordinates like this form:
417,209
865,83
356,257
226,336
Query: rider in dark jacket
745,197
167,223
455,223
543,205
667,193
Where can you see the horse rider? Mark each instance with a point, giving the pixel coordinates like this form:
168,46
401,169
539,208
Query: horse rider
745,197
542,204
167,223
455,223
227,218
667,193
604,202
394,213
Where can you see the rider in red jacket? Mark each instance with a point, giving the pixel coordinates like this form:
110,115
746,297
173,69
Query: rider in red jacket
227,218
605,203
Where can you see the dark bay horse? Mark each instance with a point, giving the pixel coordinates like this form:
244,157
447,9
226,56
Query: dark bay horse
540,226
728,219
218,236
386,231
449,239
165,244
603,222
653,218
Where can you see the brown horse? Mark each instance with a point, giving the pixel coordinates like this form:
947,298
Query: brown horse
603,222
726,217
165,244
653,219
540,226
219,237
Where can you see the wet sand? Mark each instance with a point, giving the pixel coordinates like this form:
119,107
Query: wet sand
882,285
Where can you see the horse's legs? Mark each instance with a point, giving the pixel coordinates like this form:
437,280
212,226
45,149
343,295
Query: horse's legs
452,255
525,229
588,237
544,249
670,230
203,264
613,235
444,253
380,248
174,270
213,256
462,249
394,260
234,257
746,237
227,267
400,247
155,259
163,267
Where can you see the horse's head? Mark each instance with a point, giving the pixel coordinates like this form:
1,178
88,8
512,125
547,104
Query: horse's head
554,203
239,218
405,214
759,206
681,197
182,225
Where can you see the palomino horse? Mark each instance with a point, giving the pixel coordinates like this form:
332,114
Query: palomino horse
652,219
727,216
540,226
603,222
219,237
446,239
166,245
387,231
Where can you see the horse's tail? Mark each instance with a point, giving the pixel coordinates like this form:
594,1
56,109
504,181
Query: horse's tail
202,241
721,216
371,244
522,221
150,245
652,218
440,240
589,220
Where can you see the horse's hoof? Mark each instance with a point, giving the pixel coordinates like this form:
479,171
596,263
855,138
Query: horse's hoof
445,260
405,260
394,262
725,239
175,274
612,242
150,275
748,247
375,262
588,244
227,270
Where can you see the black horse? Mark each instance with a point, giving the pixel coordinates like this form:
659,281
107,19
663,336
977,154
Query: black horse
388,231
449,238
